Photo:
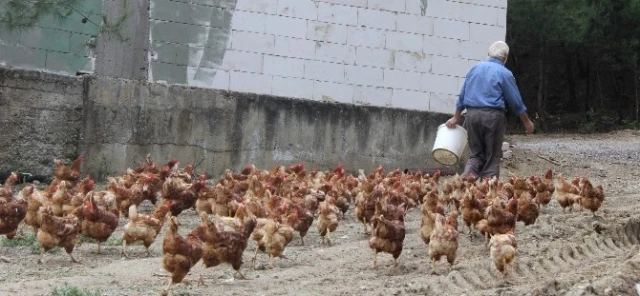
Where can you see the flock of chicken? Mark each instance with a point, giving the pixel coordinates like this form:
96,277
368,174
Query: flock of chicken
270,206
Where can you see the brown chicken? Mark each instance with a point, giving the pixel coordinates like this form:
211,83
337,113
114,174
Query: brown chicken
443,242
61,172
60,198
143,228
206,197
499,220
591,197
301,219
528,209
365,206
544,188
228,246
11,214
97,223
503,250
127,196
6,191
327,219
272,237
567,193
35,200
427,224
387,236
472,210
179,254
183,195
57,231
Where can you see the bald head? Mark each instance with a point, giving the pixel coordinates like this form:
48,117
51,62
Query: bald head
499,50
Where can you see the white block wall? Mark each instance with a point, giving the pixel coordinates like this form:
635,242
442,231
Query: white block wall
388,53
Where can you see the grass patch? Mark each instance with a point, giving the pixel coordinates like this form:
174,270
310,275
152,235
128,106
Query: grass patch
114,241
28,241
111,241
81,239
67,290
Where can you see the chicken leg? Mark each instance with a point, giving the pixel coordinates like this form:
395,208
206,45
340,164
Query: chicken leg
375,259
99,250
165,292
74,259
433,266
124,249
329,237
255,255
270,261
41,260
241,276
201,281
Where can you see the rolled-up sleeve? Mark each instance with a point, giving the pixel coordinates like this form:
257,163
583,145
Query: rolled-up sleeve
512,95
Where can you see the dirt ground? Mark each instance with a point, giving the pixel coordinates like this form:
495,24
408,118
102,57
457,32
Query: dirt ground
561,254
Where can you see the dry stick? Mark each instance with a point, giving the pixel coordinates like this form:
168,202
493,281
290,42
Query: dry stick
160,275
549,160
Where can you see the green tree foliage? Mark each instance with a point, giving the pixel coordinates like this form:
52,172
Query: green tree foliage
577,61
24,14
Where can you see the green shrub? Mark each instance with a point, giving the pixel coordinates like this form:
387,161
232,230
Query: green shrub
28,241
67,290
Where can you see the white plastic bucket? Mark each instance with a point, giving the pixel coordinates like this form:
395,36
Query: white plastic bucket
449,144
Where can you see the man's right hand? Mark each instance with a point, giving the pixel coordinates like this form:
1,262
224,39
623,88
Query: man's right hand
451,123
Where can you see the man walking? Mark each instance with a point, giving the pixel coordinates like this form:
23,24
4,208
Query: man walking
488,89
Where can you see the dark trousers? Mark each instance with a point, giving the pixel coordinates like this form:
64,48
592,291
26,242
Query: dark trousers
485,131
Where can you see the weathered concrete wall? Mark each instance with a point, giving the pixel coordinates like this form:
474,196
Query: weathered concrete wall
54,46
114,123
125,120
410,54
125,54
41,118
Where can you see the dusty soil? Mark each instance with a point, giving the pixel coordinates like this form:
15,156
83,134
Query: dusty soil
561,254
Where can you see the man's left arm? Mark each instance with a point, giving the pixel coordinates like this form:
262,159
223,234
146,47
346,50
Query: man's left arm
514,101
512,96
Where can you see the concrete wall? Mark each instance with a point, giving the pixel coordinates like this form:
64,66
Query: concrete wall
41,117
114,123
125,120
410,54
54,46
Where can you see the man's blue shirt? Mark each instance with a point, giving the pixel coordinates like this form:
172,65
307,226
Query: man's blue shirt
490,84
